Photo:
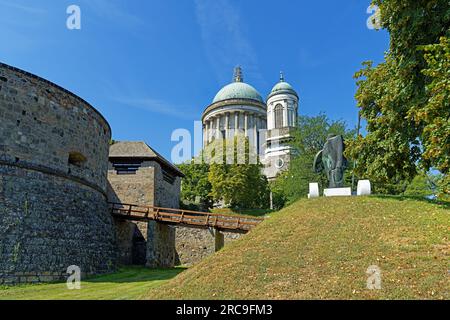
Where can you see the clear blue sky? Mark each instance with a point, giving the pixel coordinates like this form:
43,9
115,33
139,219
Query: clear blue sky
153,66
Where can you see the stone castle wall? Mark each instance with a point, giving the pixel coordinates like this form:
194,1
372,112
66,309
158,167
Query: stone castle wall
132,189
42,124
194,245
53,168
167,195
146,187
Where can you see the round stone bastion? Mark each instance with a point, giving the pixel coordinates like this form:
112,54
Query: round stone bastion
53,181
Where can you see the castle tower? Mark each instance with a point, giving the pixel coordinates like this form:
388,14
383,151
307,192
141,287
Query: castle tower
282,110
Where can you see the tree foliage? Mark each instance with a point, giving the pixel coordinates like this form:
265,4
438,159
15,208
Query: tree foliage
403,98
423,185
435,114
195,186
226,174
308,139
238,183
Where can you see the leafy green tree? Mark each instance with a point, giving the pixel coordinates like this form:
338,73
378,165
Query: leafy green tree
308,139
195,186
397,101
421,186
435,114
238,184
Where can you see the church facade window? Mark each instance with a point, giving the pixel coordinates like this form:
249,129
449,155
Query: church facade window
278,113
291,117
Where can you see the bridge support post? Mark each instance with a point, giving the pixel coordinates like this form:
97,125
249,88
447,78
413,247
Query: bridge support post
219,240
160,246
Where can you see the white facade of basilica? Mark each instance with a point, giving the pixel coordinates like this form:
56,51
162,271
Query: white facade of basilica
238,108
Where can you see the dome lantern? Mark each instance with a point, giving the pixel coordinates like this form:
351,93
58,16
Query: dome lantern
282,87
238,76
238,89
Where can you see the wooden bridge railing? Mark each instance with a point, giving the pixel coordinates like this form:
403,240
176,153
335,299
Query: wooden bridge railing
195,219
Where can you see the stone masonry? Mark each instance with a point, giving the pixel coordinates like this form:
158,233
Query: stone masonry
194,245
139,175
53,170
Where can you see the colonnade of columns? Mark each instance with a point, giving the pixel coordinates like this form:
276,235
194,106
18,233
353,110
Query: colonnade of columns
229,124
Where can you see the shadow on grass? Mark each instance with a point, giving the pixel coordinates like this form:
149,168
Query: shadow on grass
130,274
444,204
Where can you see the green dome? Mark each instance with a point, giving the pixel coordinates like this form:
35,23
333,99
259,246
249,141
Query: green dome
238,90
282,87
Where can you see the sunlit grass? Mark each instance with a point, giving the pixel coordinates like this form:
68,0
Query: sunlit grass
129,283
322,248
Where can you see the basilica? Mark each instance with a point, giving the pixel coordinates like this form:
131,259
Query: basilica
239,108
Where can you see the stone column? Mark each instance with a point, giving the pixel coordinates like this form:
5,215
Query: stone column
205,137
211,132
218,127
160,246
227,125
255,131
269,117
236,123
219,240
285,116
246,124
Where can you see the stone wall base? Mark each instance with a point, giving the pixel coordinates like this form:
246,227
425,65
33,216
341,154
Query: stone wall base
194,245
160,245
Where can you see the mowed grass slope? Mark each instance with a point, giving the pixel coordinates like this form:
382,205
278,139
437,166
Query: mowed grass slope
128,283
322,248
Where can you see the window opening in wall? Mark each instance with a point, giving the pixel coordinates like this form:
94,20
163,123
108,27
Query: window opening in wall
77,159
170,178
126,166
278,116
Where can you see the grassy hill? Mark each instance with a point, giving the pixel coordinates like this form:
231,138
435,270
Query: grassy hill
128,283
322,248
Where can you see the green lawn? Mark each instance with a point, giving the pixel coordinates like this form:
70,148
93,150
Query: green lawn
322,249
314,249
129,283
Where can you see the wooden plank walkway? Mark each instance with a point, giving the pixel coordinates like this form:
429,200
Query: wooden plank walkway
185,218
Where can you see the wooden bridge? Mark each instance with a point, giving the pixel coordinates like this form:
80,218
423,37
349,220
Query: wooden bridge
184,218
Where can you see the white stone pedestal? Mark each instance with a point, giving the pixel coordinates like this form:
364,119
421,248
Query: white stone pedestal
338,192
313,191
364,188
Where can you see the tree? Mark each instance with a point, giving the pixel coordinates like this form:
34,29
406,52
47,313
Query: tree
435,114
395,95
195,186
238,184
421,186
308,139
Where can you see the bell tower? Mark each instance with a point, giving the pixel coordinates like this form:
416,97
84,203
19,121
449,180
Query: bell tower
282,110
